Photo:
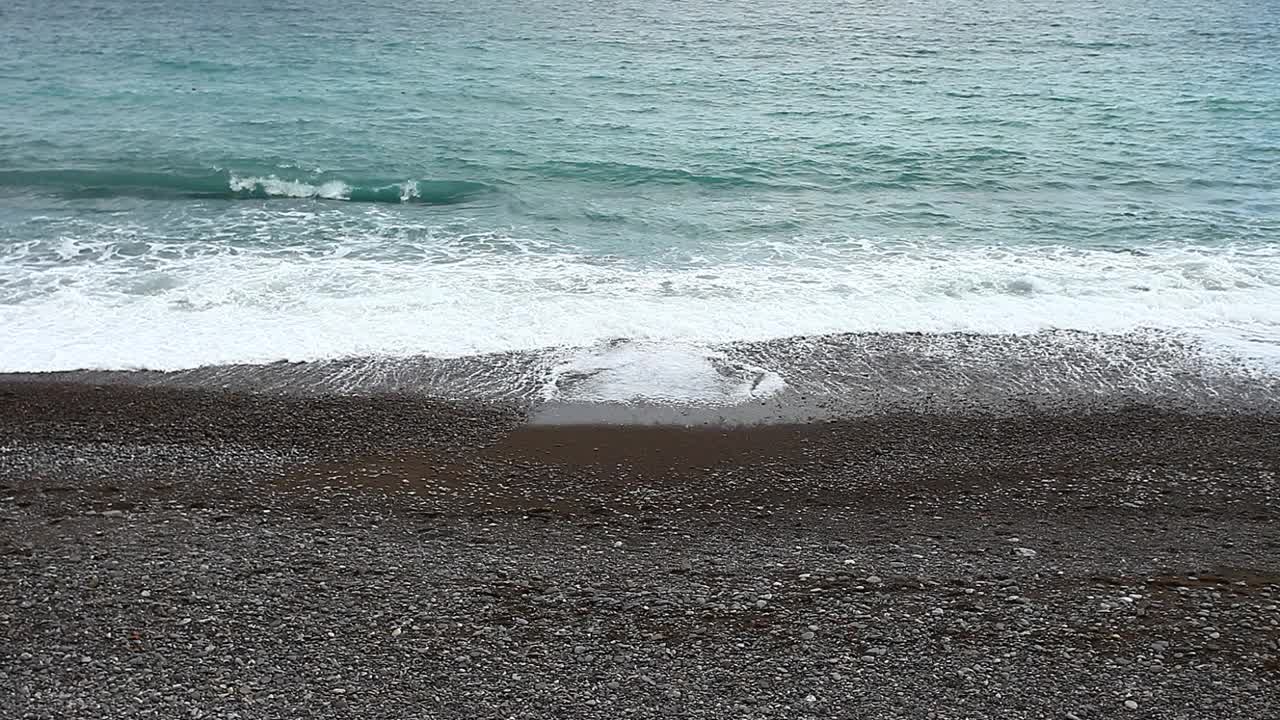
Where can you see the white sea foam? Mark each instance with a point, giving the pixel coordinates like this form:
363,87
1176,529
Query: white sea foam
409,191
272,186
114,297
624,371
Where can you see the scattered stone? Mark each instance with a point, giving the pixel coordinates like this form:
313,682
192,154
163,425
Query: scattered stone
495,615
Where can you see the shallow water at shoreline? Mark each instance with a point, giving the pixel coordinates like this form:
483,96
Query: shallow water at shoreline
803,379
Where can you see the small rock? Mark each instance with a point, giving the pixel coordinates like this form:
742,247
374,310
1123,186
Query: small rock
1131,704
806,635
113,513
1026,552
874,580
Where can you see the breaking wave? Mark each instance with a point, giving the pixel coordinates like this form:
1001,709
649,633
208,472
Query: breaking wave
232,186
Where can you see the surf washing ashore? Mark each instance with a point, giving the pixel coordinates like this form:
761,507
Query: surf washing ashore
727,360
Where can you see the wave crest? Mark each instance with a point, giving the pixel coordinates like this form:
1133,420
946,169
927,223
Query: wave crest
232,186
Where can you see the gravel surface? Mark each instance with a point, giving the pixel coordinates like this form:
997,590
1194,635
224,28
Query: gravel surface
175,553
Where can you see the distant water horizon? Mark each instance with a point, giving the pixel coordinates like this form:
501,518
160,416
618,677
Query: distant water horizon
634,191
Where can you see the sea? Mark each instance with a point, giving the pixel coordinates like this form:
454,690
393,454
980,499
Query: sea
879,204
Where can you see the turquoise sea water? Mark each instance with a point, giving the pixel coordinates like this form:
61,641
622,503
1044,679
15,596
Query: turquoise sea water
188,183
